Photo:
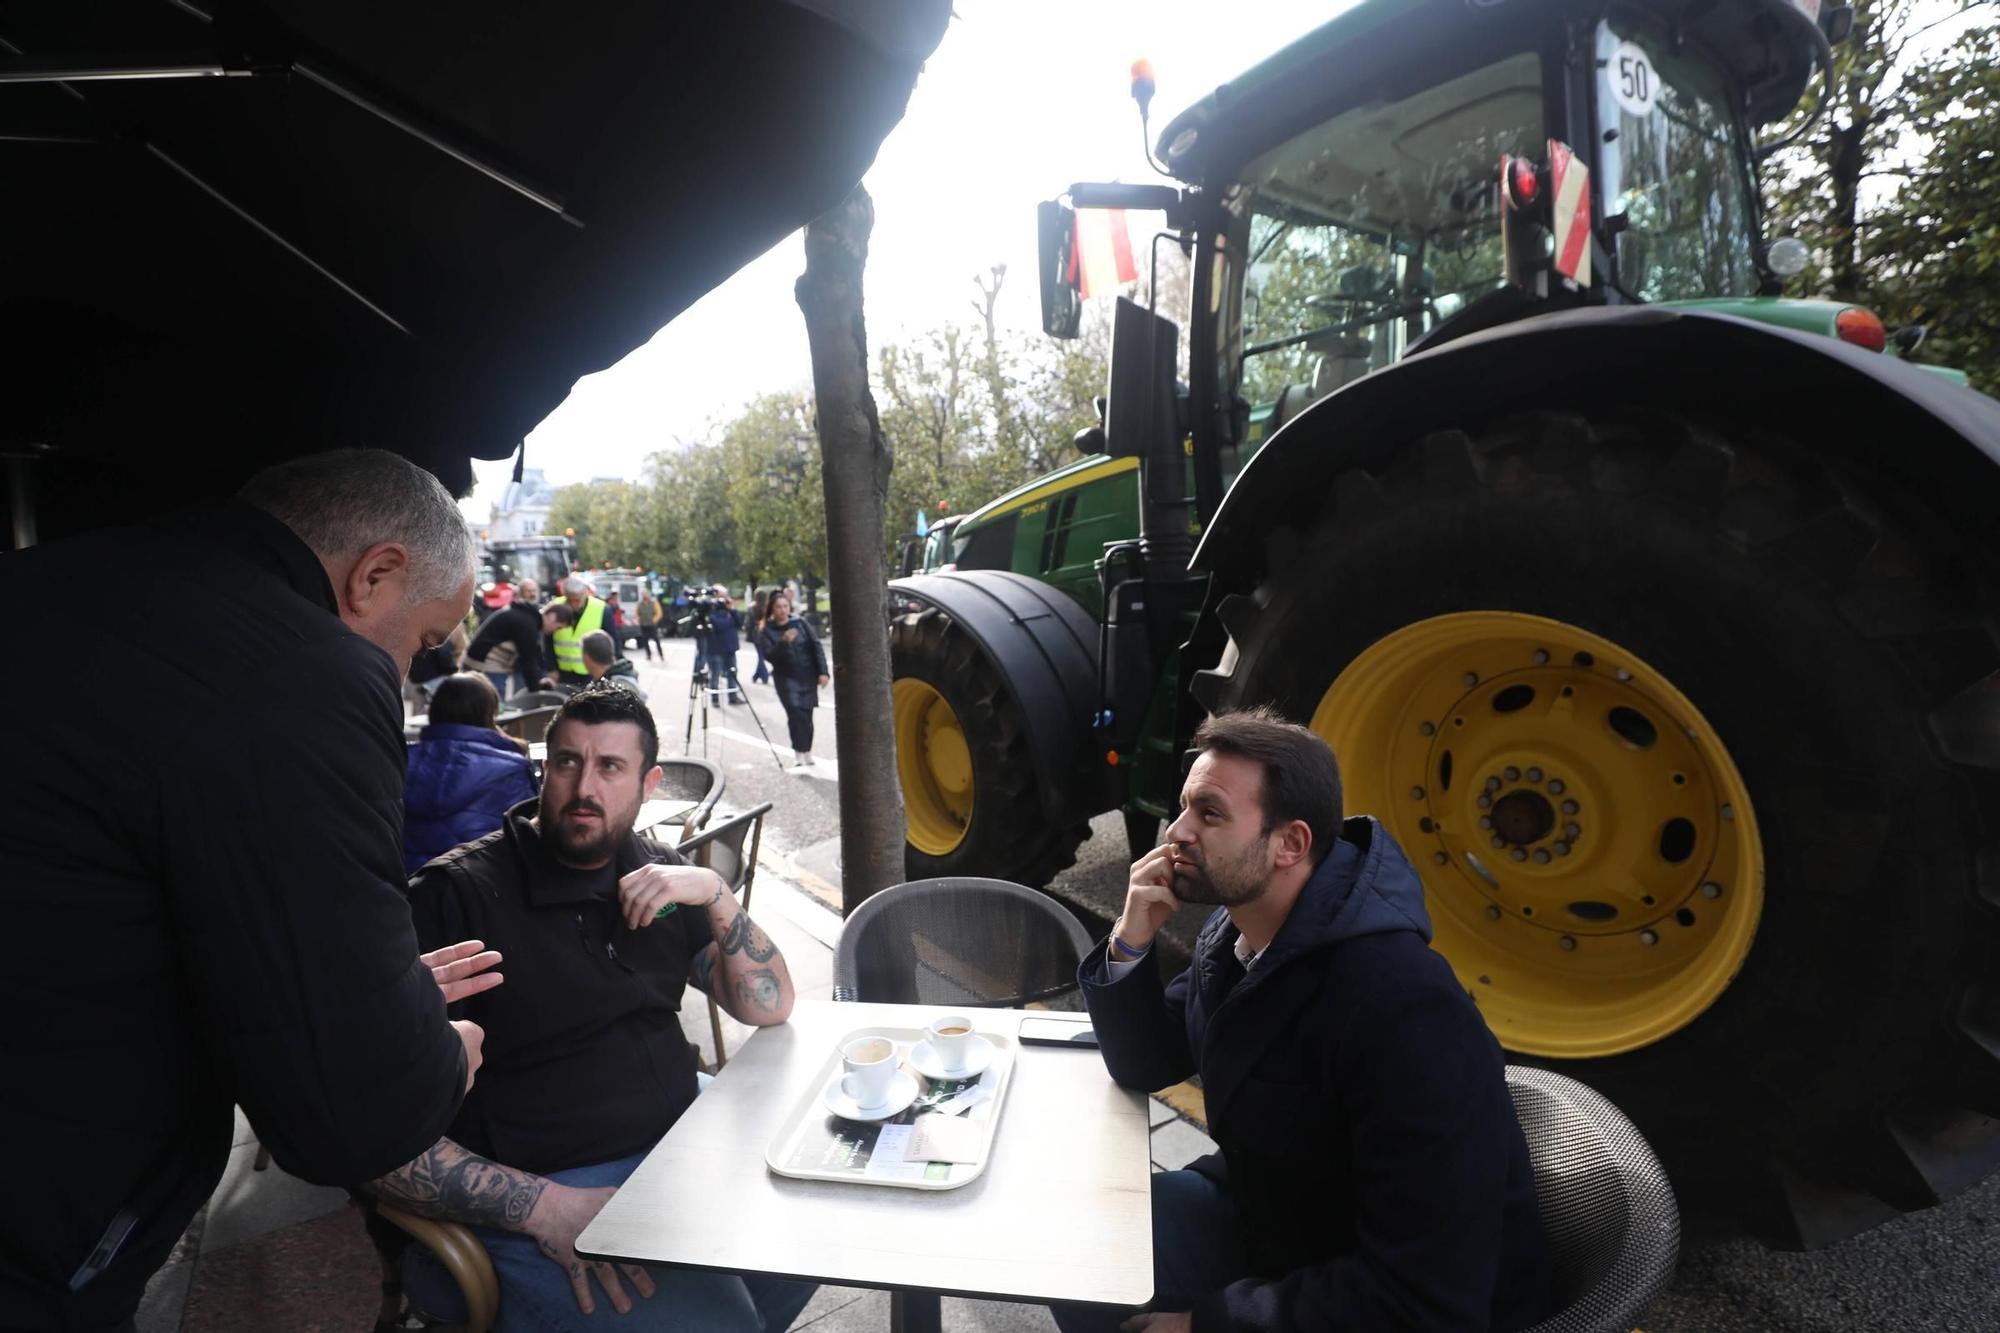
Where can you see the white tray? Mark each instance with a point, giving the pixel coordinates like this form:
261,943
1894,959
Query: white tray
815,1144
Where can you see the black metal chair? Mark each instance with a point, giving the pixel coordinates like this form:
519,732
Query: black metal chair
529,724
1608,1210
730,850
537,699
984,943
688,779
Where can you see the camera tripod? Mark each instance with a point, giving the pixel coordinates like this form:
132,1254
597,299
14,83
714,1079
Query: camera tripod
698,692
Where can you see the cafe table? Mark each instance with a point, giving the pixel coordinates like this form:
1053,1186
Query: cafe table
1062,1211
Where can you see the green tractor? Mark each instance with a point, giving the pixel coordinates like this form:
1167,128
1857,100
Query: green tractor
1650,611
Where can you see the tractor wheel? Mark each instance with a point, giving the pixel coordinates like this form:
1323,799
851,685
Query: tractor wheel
1678,726
969,794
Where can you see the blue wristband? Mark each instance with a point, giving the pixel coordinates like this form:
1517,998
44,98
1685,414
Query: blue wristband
1132,955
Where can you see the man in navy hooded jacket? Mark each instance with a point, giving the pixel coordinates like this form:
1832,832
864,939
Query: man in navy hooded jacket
1371,1174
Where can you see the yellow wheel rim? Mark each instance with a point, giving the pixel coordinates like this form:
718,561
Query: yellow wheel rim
935,766
1589,854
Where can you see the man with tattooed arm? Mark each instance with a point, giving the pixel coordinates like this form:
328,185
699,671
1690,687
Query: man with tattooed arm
585,1065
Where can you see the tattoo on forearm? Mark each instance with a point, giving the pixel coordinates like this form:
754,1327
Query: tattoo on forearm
704,966
758,990
743,936
449,1182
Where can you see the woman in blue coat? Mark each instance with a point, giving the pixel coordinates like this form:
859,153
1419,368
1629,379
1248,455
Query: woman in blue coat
798,669
464,773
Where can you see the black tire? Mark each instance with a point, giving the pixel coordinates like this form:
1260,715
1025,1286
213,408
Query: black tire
1833,631
1009,836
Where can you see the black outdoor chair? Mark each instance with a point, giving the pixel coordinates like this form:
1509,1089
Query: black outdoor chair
983,943
689,779
730,850
1613,1228
536,699
529,724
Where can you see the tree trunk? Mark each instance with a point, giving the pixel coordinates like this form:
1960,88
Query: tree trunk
855,462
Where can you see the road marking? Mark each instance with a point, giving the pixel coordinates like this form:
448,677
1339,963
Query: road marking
824,769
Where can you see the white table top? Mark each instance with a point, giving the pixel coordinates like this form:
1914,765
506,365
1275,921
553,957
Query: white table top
1062,1212
662,810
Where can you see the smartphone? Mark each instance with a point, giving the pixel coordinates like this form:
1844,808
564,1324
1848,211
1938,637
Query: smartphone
1057,1032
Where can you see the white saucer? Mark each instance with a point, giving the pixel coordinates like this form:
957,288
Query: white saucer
902,1091
926,1061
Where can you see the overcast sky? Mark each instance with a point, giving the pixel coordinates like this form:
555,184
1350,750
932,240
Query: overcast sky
1021,98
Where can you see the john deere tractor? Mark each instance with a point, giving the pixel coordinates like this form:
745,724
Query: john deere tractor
1650,611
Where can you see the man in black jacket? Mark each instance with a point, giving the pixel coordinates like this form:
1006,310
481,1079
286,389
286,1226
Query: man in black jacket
203,896
520,625
1371,1174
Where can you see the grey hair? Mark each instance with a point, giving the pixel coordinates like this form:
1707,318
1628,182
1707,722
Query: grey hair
575,583
344,501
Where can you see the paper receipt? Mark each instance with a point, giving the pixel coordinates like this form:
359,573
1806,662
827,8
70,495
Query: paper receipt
944,1138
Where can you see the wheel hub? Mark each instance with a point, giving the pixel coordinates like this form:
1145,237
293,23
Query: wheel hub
1590,858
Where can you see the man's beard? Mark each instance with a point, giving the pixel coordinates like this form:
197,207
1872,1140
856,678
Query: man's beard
593,848
1232,883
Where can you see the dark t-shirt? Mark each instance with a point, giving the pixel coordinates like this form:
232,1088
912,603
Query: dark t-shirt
584,1057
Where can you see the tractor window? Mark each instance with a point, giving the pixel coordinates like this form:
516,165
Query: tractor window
1367,230
991,546
1674,166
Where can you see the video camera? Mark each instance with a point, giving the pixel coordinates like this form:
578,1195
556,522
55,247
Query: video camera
703,605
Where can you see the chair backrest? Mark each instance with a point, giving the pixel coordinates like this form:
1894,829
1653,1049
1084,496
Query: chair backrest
729,848
977,942
690,779
1608,1210
531,724
537,699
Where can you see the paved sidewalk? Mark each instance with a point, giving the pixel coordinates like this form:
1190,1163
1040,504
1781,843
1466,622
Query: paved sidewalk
272,1252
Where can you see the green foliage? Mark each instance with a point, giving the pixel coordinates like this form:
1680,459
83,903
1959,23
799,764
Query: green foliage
969,410
1894,189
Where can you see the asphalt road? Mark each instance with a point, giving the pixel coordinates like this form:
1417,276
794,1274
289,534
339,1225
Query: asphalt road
1927,1272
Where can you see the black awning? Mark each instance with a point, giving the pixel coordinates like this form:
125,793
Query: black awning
412,225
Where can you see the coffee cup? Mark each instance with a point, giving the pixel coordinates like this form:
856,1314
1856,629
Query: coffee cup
951,1038
870,1063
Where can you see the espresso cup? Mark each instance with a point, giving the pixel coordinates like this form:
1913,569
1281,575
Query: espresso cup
951,1037
870,1063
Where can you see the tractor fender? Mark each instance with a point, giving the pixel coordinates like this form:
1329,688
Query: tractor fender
1045,648
1941,437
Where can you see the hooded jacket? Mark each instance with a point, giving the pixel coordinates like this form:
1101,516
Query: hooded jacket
1367,1137
462,781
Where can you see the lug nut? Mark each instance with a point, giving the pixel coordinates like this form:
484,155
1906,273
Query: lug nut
1568,943
1472,678
1486,821
1499,841
1416,793
1442,859
1485,802
1556,786
1622,674
1729,812
1493,784
1562,849
1534,775
1518,855
1511,773
1649,937
1711,890
1571,807
1541,856
1430,728
1572,832
1492,912
1541,657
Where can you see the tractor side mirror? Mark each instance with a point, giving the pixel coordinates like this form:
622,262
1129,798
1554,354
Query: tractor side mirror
1062,303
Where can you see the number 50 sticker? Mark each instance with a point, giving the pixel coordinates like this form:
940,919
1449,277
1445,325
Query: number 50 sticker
1635,86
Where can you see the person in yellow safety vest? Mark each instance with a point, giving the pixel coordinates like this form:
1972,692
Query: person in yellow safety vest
589,615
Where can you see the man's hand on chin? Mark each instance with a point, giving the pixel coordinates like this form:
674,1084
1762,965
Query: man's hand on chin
1175,1321
559,1217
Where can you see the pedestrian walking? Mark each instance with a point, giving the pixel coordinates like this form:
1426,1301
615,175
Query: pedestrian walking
760,609
798,670
649,624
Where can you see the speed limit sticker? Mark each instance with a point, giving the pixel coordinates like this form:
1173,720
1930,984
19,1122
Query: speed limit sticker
1635,85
